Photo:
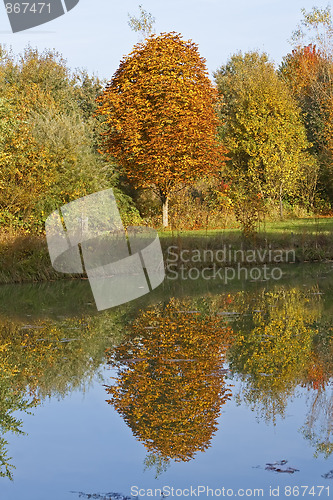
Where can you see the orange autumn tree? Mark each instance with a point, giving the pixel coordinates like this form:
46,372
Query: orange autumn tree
309,73
160,114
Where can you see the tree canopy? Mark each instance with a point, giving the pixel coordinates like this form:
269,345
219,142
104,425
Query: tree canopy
262,128
160,111
308,70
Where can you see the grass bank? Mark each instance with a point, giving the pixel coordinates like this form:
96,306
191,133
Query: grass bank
25,258
304,240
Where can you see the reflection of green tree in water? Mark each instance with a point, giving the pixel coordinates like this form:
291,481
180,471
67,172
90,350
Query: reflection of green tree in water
273,345
46,359
170,385
11,400
13,397
281,342
318,427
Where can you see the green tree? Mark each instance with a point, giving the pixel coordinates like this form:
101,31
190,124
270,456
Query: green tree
26,170
262,130
49,139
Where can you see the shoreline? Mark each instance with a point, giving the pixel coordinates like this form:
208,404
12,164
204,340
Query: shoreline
24,258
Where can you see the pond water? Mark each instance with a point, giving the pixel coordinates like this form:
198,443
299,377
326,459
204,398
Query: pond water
197,389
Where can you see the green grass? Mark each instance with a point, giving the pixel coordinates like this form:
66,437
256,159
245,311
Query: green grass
311,239
300,226
297,226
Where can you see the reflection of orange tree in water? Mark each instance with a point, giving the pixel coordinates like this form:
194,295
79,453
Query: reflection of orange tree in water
170,385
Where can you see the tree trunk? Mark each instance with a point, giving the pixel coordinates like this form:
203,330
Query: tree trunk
165,207
281,206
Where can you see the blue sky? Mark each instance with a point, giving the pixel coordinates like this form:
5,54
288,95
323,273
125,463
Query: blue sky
95,34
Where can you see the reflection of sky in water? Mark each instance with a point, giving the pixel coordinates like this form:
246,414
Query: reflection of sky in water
81,444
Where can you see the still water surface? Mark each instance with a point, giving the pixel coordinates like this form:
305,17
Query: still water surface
196,385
